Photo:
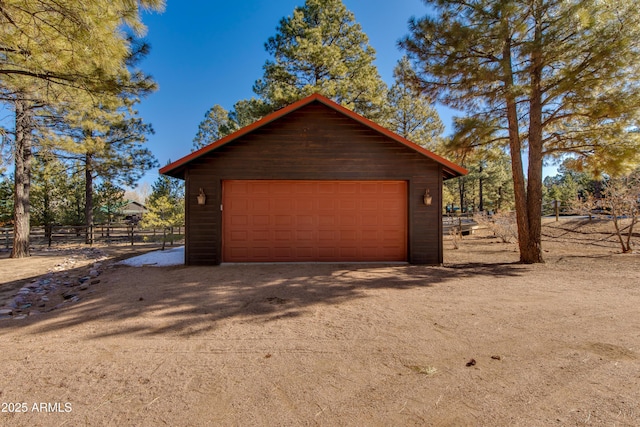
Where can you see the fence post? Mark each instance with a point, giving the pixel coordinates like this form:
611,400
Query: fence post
557,209
131,234
6,238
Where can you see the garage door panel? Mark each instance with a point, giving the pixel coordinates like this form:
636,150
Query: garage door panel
282,252
349,204
314,221
260,235
327,204
326,187
306,253
239,236
259,253
348,220
326,220
305,221
327,253
305,205
369,205
370,235
283,235
239,220
256,188
369,220
304,188
347,188
282,220
260,220
304,236
348,235
327,235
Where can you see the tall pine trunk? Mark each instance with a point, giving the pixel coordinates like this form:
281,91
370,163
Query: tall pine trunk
533,253
23,156
515,148
88,192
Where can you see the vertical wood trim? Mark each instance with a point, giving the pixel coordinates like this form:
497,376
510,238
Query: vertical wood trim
410,214
440,226
219,257
187,216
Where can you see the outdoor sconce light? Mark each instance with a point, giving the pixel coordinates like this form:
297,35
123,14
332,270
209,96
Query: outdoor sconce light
202,198
427,198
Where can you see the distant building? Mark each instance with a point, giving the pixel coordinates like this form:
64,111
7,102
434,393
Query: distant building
133,211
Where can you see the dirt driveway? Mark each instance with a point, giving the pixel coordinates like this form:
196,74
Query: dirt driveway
480,341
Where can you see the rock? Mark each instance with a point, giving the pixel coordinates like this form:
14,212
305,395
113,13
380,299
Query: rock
95,281
94,273
84,279
5,311
69,295
20,317
34,313
84,286
45,298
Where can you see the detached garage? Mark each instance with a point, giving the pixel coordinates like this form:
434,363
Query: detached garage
313,182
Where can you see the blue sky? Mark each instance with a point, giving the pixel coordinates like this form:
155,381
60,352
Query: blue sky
211,52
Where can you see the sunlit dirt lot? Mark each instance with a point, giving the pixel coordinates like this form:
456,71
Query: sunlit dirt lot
482,340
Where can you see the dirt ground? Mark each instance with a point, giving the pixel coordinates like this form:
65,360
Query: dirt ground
480,341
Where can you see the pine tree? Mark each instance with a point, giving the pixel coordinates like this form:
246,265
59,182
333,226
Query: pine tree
321,48
553,76
47,191
51,52
109,202
6,201
216,124
412,115
165,206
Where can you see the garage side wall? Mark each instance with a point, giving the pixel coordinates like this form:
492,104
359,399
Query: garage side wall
312,143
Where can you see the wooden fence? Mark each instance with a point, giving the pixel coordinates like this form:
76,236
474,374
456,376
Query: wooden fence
103,233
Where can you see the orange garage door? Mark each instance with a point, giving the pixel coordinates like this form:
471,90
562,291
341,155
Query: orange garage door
314,221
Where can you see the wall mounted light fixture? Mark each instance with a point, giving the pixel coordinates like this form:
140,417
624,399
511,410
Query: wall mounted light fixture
427,198
202,198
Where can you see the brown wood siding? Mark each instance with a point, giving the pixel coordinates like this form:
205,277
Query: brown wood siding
313,143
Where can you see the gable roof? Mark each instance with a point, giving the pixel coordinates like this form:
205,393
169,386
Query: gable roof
175,169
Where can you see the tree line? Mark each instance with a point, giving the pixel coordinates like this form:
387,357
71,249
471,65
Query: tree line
321,48
534,81
69,73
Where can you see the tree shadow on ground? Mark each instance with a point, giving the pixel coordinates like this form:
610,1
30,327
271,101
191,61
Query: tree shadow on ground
187,301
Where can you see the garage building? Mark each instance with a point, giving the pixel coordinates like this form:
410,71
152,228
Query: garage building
313,182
